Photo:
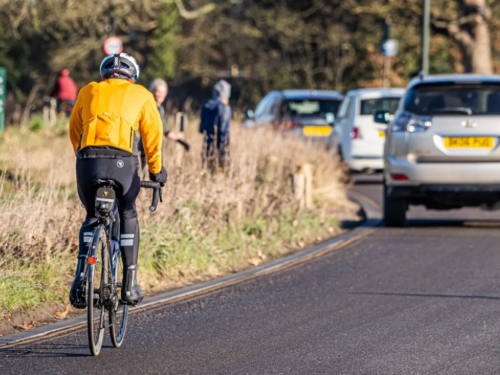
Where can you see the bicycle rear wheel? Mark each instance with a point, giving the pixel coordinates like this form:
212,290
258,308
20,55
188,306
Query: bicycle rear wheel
97,290
118,315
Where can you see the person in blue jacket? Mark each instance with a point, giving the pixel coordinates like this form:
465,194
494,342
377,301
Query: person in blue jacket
215,126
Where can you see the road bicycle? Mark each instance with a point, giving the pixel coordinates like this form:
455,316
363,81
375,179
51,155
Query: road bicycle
104,271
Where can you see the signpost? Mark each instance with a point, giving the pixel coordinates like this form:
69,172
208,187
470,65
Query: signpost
389,48
3,90
112,45
426,27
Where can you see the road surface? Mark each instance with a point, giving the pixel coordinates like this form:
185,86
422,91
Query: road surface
424,299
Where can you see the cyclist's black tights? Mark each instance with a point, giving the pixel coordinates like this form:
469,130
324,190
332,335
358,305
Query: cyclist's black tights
125,173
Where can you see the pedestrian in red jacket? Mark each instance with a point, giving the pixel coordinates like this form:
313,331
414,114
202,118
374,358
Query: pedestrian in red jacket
65,91
64,88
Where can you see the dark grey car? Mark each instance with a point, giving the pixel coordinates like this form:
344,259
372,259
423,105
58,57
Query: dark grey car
309,113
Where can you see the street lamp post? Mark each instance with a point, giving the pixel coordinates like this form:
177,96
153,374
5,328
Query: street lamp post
425,35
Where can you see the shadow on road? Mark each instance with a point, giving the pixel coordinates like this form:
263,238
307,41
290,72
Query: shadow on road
47,350
364,181
437,223
422,295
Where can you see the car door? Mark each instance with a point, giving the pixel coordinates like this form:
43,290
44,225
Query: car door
266,116
259,115
342,126
372,135
335,137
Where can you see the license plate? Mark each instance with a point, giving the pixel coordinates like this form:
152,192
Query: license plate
381,134
469,142
317,131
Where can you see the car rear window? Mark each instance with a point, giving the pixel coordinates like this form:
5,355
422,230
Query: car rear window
454,98
311,107
369,106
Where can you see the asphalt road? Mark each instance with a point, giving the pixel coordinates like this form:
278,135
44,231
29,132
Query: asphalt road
424,299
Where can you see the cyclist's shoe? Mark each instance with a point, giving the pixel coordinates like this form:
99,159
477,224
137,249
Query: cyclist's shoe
131,291
77,292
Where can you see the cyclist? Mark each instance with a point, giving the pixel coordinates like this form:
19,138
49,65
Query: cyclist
103,131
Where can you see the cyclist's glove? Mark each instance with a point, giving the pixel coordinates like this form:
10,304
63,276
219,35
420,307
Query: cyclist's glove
159,177
184,144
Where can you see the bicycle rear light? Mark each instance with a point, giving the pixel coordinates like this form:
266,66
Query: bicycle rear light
105,201
91,260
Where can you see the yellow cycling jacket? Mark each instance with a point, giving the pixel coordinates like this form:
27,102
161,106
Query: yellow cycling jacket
110,113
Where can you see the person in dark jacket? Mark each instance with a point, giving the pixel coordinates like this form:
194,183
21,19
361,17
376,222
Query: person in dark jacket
215,126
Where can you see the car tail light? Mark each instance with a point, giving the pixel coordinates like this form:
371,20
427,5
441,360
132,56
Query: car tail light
408,122
355,133
290,124
399,177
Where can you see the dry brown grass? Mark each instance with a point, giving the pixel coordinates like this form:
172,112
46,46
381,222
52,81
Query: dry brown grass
208,224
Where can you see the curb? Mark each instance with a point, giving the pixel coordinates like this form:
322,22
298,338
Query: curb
373,219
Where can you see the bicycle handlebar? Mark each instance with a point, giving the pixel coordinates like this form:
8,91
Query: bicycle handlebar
156,193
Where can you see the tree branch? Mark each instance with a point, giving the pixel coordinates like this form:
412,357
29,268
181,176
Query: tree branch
444,24
192,14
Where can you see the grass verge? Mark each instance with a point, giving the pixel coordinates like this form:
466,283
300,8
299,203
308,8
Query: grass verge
208,226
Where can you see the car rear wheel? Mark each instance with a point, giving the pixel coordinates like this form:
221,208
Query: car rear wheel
394,211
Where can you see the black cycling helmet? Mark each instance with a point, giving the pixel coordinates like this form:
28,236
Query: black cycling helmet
122,64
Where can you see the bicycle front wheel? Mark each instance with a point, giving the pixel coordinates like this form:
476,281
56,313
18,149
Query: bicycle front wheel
97,290
118,315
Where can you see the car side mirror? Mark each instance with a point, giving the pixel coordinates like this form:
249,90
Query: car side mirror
249,114
330,118
382,117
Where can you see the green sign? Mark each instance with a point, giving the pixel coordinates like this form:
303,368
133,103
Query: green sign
3,92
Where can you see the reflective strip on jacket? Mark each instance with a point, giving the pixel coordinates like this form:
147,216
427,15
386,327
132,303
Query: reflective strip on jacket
109,114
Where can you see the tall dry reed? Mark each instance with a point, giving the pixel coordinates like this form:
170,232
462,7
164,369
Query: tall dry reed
40,213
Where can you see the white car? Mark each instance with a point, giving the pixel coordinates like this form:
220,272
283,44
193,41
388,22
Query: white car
443,145
356,138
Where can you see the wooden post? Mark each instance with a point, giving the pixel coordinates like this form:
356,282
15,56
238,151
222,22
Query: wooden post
180,128
49,111
53,111
298,187
46,112
307,171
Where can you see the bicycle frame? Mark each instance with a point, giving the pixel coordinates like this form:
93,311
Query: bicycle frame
114,250
102,239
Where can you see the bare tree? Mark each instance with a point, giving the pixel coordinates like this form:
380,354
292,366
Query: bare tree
192,14
471,32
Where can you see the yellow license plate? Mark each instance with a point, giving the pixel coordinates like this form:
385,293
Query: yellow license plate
469,142
317,131
381,134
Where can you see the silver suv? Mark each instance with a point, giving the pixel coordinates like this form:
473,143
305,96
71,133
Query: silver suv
442,149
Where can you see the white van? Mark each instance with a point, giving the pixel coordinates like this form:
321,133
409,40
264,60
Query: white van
357,139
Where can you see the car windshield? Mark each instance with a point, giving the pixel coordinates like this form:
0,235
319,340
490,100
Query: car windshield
310,107
369,106
454,99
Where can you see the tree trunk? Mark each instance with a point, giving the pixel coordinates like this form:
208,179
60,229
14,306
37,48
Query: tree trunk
480,60
472,34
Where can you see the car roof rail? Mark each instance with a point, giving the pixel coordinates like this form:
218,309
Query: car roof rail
421,74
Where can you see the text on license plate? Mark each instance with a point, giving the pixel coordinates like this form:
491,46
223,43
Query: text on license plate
469,142
317,131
